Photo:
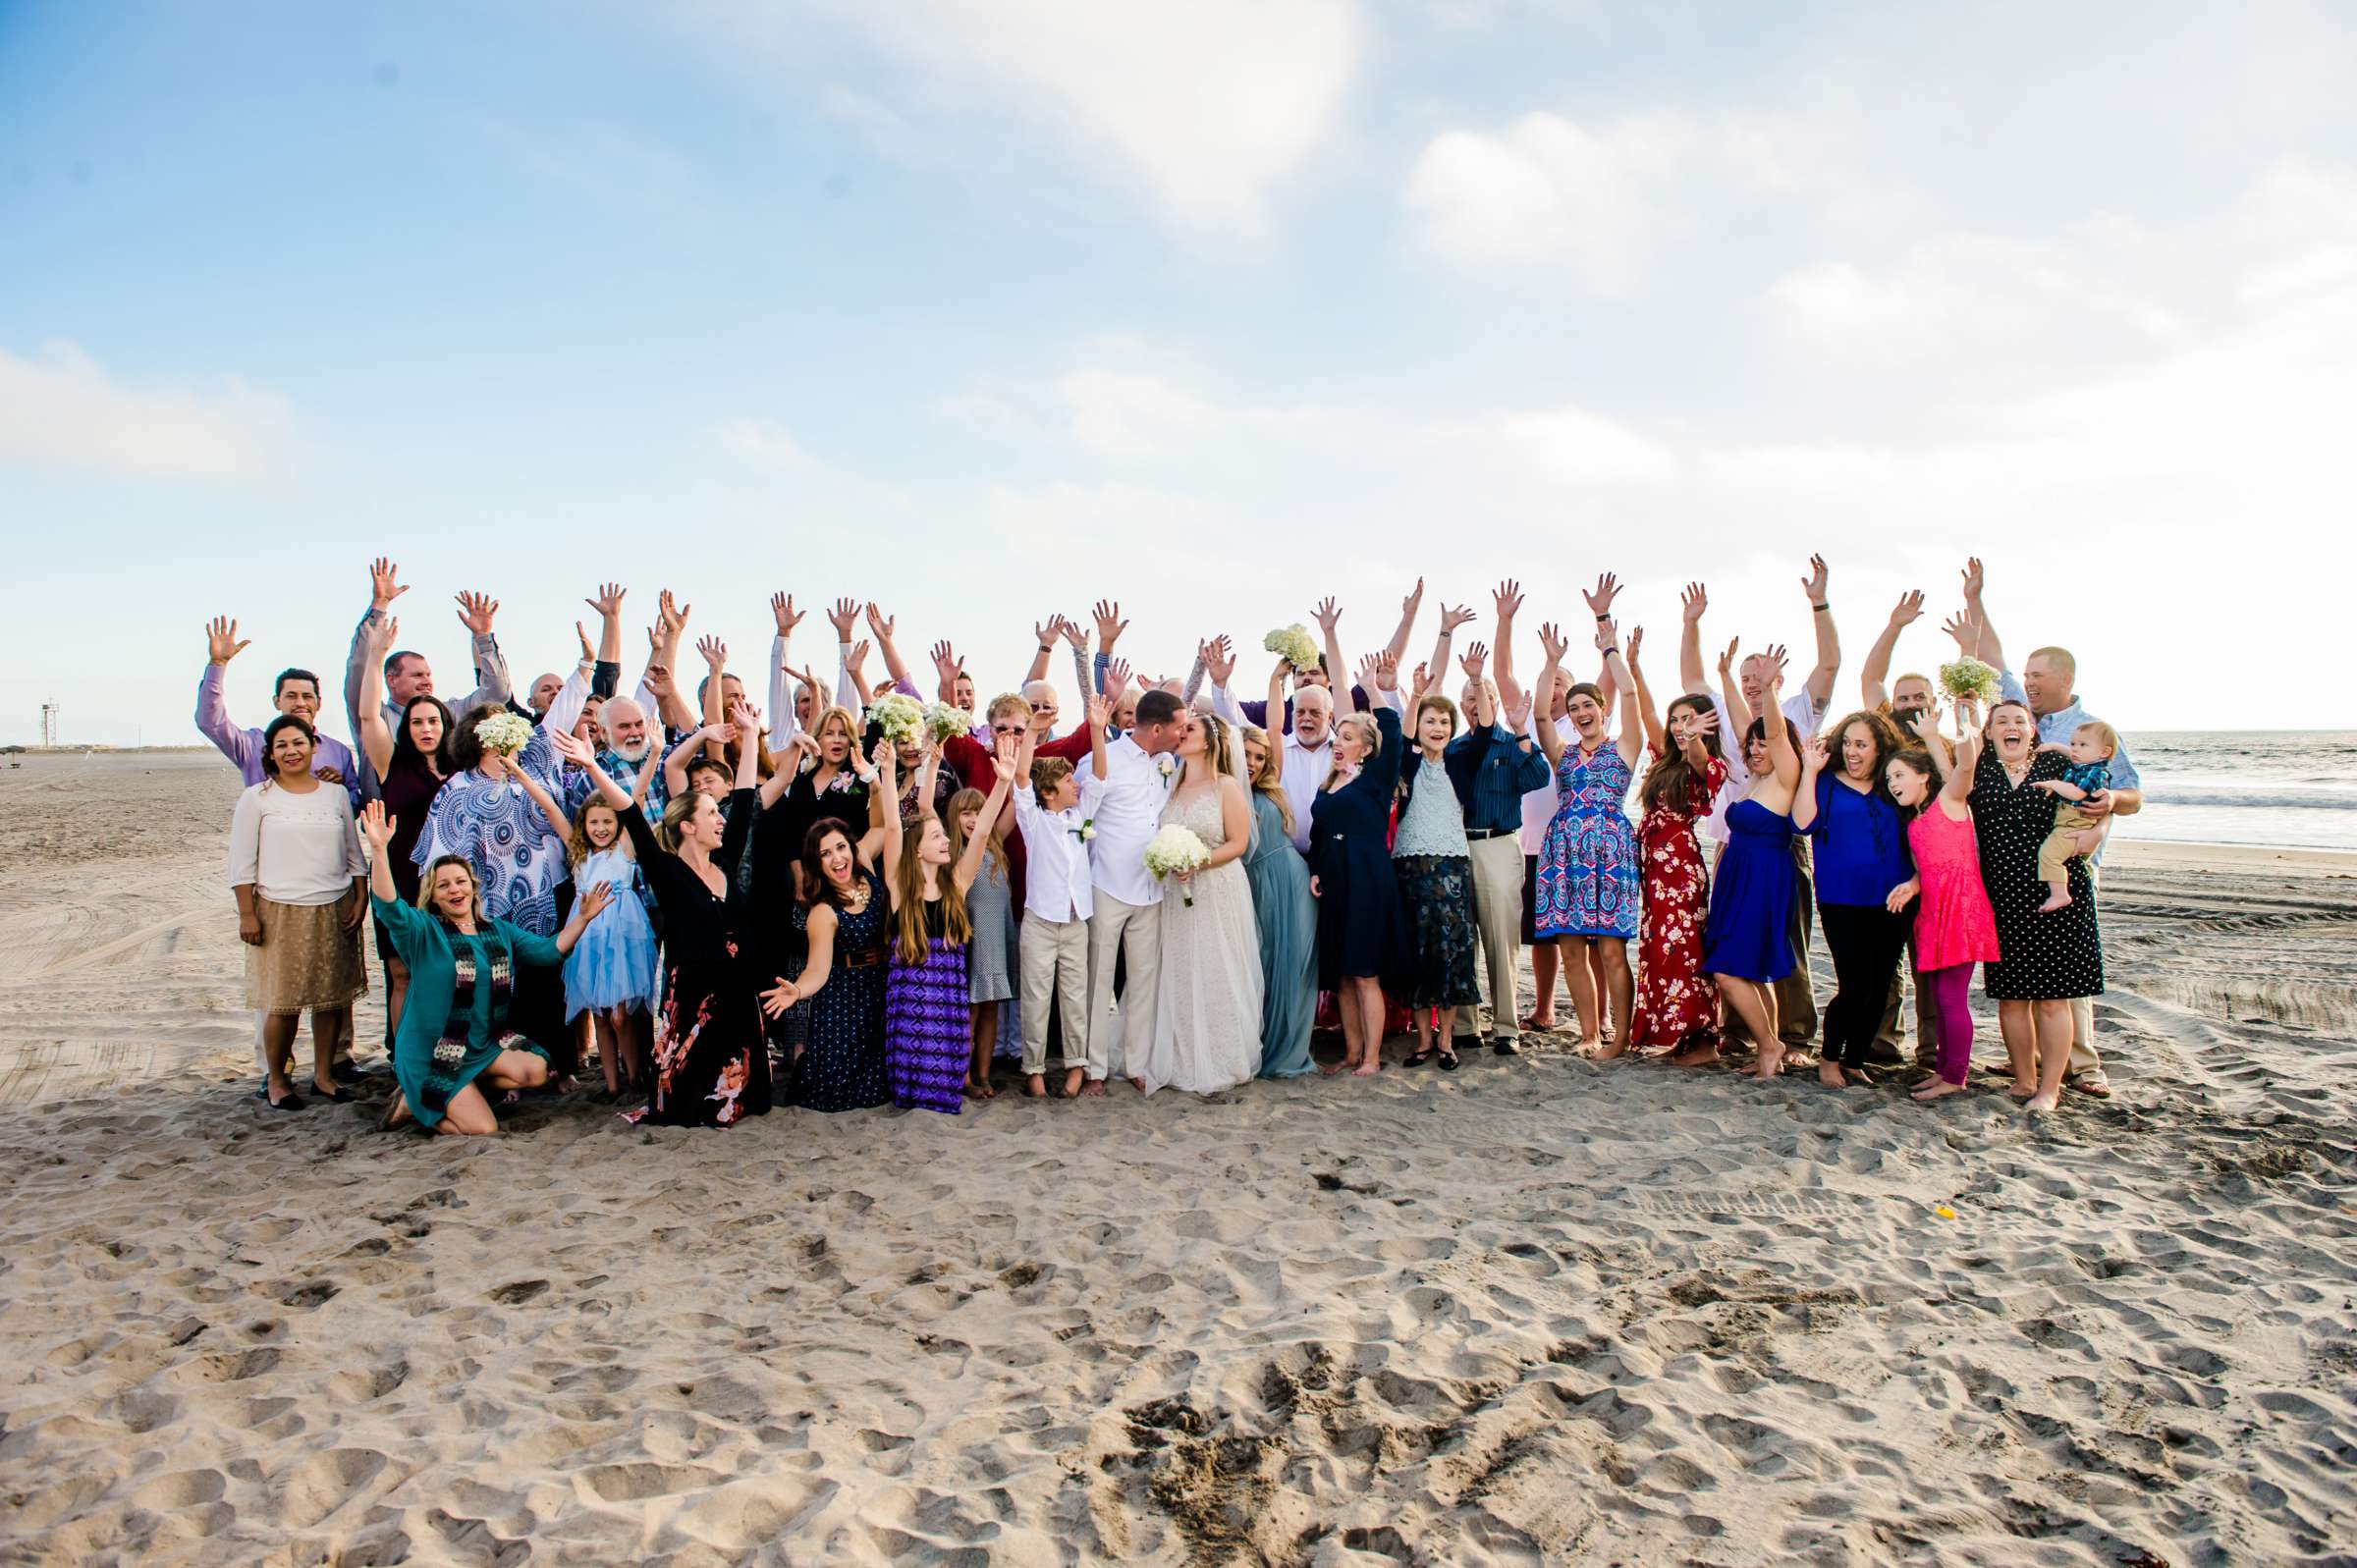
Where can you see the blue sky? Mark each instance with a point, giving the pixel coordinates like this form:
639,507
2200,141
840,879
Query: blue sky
985,310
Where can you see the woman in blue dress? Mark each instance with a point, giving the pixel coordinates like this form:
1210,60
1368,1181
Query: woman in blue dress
1287,914
463,965
1360,927
1587,874
1744,943
844,916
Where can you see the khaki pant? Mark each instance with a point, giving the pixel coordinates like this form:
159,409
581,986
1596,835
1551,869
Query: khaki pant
2062,846
1498,920
1119,1040
1054,958
2083,1058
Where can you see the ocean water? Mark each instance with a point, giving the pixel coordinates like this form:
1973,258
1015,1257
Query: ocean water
2287,788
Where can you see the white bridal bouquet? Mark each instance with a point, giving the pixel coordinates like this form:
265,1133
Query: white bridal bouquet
945,721
1176,848
503,732
1969,678
1293,644
899,717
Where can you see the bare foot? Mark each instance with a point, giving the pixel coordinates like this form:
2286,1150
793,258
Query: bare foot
1771,1061
1590,1047
1333,1067
1369,1071
1036,1086
1936,1089
1539,1021
2059,898
1138,1083
1093,1088
397,1114
1072,1081
1611,1050
2046,1100
2021,1091
1695,1056
1830,1074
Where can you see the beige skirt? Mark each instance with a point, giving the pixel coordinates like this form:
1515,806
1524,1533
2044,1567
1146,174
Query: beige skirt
306,959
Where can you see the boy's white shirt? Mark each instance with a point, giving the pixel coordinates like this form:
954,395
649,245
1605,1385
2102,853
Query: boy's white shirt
1056,885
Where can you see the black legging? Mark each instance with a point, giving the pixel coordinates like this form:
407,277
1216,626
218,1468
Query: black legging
1867,941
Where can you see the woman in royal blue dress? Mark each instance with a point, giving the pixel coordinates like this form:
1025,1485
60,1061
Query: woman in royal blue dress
1587,876
1744,943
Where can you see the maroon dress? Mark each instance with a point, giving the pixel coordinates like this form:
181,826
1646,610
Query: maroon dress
1676,999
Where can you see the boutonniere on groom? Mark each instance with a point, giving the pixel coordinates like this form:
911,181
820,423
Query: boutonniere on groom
1167,766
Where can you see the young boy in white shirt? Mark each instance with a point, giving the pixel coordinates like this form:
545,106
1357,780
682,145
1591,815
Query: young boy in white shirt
1059,897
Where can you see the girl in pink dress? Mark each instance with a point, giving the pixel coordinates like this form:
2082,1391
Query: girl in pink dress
1955,926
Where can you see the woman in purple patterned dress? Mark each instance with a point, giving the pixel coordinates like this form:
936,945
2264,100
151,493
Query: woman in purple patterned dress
927,1007
1587,878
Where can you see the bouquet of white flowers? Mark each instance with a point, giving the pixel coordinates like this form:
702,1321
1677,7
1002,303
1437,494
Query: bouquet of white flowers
945,721
900,716
1293,644
503,732
1176,848
1969,678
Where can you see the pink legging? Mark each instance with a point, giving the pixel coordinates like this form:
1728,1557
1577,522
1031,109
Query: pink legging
1951,991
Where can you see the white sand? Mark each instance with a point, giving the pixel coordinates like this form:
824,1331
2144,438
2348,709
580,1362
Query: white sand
1537,1310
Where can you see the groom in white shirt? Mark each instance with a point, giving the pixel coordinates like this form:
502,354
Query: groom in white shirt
1138,770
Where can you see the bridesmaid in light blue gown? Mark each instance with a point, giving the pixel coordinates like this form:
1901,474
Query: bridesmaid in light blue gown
1287,916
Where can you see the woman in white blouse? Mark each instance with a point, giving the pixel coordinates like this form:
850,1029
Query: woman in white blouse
296,865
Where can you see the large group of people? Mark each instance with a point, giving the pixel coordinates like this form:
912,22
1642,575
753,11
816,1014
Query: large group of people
859,896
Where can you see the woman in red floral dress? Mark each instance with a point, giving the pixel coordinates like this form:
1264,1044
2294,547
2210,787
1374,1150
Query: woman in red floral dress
1676,1005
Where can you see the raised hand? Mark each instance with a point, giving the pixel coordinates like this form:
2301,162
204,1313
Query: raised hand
781,606
715,652
572,747
1415,597
221,643
879,622
1100,711
859,658
1220,660
592,902
658,680
1726,661
1814,583
883,756
1774,680
607,601
381,634
1387,668
1702,722
1327,613
842,617
1927,726
1473,658
672,615
1046,630
1002,760
1423,678
1508,598
1451,620
1636,640
1600,602
1974,577
376,827
475,610
1814,753
588,655
1552,642
1961,626
1693,602
384,584
745,717
1109,623
1117,677
1074,632
1519,715
1608,634
945,662
1908,610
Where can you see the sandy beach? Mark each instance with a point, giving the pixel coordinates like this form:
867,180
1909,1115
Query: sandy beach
1541,1309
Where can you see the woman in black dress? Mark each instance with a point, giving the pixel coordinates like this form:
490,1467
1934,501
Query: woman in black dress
1359,919
838,991
2048,958
709,1066
817,777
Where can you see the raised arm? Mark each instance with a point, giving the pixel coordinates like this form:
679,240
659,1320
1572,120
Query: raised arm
1783,760
887,797
716,664
1408,608
1739,711
475,613
780,671
881,625
504,767
747,720
947,667
842,618
1451,620
801,749
1691,605
1640,699
1554,645
1338,672
1813,753
1508,598
1987,649
1046,632
376,740
1100,715
221,646
1820,685
1632,725
1874,677
576,752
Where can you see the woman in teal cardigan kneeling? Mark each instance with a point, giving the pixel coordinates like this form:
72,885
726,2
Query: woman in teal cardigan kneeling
462,964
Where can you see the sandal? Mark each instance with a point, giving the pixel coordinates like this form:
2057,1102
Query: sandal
1422,1056
2093,1084
1449,1062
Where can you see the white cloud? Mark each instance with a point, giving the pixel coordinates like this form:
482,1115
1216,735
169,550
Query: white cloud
1602,198
1207,103
767,445
62,409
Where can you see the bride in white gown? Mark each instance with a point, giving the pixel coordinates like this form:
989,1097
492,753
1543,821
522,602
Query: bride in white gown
1207,1009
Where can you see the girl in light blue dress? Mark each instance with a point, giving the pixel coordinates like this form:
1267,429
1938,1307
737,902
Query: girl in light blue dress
613,972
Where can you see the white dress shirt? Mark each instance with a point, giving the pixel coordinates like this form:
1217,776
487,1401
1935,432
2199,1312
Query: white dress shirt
1538,806
1056,883
1305,772
1128,818
1806,715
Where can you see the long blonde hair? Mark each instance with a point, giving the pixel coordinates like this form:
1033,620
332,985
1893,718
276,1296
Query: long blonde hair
1374,738
1269,777
1217,745
909,899
850,736
953,823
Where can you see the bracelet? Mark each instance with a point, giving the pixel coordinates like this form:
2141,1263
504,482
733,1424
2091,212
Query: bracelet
1820,609
1609,652
1047,647
1607,616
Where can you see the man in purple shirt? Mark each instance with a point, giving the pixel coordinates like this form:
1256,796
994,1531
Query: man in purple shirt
297,692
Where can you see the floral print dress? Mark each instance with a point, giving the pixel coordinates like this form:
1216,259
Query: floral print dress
1676,999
